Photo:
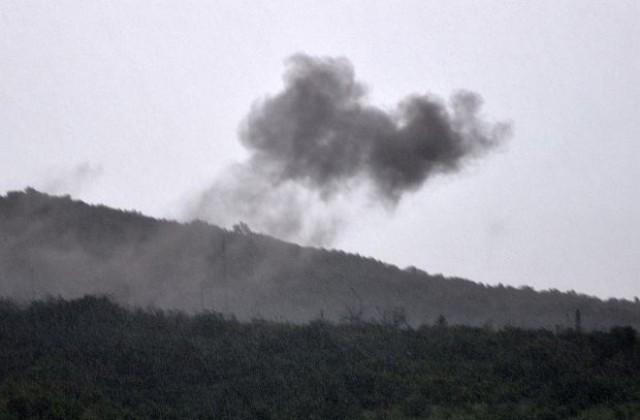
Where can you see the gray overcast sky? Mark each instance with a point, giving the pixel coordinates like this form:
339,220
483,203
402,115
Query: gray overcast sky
136,104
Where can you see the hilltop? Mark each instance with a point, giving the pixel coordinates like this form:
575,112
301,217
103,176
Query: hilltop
57,246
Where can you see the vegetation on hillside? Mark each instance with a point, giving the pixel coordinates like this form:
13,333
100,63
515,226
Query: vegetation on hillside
90,358
55,246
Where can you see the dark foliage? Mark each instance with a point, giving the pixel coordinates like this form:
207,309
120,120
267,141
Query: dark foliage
90,358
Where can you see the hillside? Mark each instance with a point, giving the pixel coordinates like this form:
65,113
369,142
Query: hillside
55,246
89,358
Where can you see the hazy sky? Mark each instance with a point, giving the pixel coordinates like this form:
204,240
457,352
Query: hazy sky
136,104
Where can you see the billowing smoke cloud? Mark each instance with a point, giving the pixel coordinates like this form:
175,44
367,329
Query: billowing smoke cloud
318,141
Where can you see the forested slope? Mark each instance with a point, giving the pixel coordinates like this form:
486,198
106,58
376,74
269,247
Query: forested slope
55,246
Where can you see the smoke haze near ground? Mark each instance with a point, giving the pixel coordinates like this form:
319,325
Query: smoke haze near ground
58,247
318,143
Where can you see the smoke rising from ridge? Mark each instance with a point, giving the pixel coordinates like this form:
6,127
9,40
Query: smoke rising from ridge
317,142
72,180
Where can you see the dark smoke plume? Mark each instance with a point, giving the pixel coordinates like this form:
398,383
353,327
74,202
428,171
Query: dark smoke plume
318,141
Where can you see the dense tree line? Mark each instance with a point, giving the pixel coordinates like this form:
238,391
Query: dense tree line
91,358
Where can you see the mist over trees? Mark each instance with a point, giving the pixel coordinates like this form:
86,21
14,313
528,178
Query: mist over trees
196,321
55,246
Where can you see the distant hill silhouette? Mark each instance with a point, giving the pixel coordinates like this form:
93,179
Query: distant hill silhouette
55,246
